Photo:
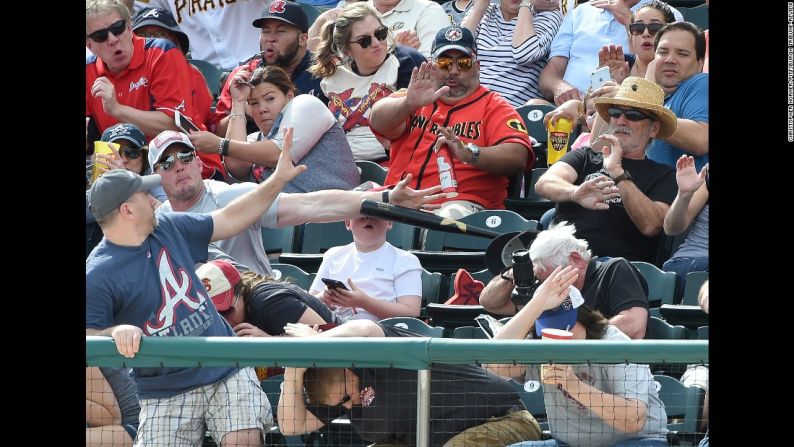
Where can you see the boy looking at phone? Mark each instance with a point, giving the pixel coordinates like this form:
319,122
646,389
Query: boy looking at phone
381,280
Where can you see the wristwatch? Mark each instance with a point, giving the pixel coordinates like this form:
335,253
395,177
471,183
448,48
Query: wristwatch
474,150
621,177
528,4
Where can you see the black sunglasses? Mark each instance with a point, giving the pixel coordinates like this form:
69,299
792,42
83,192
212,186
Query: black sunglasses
638,29
631,115
101,35
379,34
131,152
168,163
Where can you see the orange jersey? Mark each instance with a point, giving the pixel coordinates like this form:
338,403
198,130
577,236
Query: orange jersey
483,118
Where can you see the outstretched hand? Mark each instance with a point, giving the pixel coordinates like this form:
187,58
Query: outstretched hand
286,170
686,176
593,193
422,86
421,199
301,330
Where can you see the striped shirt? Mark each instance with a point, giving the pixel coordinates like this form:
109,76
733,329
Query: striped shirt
514,72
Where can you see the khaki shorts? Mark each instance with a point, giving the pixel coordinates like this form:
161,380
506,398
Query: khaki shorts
235,403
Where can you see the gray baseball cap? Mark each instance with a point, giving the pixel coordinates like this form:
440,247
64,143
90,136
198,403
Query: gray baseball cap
115,187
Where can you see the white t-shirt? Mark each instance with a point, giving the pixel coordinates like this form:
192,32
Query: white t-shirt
424,16
349,94
384,274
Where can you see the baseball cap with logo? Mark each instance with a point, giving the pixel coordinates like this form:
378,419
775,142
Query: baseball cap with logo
563,316
454,38
288,12
115,187
166,138
163,19
125,131
219,278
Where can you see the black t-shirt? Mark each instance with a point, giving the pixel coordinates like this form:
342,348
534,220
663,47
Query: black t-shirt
461,396
274,304
611,232
614,286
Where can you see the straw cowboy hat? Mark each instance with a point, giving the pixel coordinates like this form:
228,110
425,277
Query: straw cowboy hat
642,94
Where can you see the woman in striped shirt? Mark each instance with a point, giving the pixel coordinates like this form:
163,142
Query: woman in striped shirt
513,42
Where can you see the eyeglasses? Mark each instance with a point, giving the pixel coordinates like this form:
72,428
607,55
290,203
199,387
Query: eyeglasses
464,63
131,152
184,157
379,34
153,34
631,115
101,35
638,29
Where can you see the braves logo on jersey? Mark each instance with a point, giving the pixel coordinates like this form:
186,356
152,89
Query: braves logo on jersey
277,7
176,290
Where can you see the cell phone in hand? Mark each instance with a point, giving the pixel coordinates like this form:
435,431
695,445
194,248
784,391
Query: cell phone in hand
184,123
599,77
334,284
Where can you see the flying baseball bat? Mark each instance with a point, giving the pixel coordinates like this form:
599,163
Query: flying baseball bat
390,211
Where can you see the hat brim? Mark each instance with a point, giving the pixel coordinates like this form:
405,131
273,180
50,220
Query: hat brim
184,41
564,320
258,23
499,253
666,117
440,50
150,181
127,138
223,301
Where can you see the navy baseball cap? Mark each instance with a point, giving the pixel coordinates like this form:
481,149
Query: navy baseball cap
124,131
288,12
563,316
163,19
454,38
115,187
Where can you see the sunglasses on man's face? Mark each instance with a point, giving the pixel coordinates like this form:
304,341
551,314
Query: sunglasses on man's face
131,152
379,34
101,35
638,29
464,63
169,162
631,114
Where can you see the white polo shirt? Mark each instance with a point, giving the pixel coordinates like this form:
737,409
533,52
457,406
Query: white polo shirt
424,16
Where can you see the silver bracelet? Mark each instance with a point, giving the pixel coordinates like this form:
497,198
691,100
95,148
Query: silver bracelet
529,5
235,115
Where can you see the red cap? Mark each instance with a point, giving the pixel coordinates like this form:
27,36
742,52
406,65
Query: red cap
219,278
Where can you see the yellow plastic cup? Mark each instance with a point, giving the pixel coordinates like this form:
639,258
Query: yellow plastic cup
102,147
558,138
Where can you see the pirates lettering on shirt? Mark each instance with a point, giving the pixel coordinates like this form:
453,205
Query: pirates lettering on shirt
194,6
176,290
467,129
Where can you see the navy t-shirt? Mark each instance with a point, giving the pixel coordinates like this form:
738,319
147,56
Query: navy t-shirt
154,286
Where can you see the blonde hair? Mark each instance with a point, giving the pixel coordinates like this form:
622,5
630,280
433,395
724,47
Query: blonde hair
94,8
335,36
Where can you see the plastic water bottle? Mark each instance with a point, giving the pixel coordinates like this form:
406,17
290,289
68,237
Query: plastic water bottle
446,172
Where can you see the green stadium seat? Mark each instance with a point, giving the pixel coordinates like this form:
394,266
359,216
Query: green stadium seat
278,240
299,277
661,284
415,325
658,329
684,408
694,280
699,15
533,120
469,332
371,171
532,206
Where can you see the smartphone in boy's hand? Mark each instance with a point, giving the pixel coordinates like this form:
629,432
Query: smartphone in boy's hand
334,284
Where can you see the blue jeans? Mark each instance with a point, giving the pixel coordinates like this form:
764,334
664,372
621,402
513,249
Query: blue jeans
682,266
